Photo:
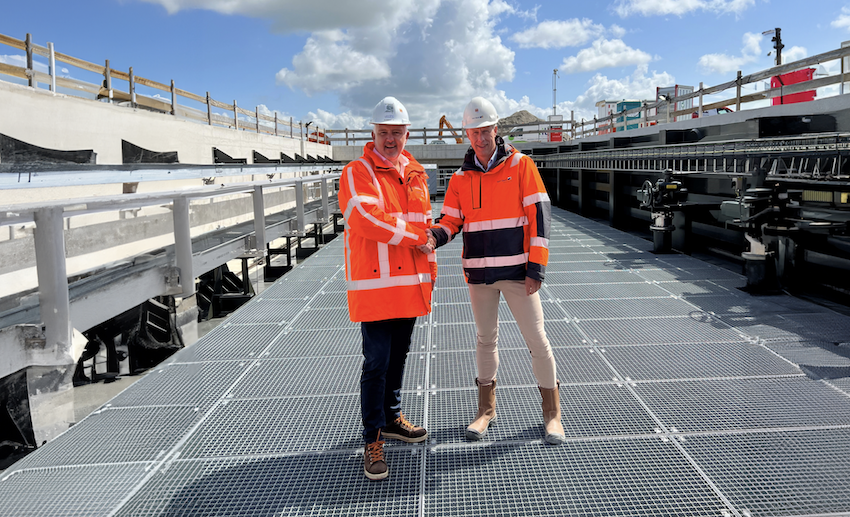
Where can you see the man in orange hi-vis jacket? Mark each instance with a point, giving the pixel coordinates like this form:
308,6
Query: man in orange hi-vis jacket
498,199
387,208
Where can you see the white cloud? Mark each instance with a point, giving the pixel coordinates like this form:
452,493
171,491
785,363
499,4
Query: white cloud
843,20
342,120
724,63
794,54
627,8
558,34
328,62
604,54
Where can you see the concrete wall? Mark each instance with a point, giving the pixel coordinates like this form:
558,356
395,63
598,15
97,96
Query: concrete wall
57,121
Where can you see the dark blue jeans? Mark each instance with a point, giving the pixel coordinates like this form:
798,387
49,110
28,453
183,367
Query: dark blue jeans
385,347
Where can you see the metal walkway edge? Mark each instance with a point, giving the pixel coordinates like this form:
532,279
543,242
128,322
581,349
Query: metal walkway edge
681,395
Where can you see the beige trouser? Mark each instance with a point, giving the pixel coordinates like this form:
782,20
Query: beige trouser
529,317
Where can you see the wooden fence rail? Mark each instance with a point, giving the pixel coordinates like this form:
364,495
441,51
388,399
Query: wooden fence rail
647,114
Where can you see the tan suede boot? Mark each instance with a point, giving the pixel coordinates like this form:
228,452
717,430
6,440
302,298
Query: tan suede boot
552,415
486,411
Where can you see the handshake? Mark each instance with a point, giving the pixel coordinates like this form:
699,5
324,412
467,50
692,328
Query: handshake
429,246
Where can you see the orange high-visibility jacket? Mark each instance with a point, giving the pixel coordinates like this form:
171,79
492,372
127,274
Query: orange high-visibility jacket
385,219
505,214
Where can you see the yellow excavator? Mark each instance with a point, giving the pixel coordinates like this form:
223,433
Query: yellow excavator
445,123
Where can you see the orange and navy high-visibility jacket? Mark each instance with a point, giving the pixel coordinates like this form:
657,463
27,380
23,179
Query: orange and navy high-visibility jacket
385,219
505,214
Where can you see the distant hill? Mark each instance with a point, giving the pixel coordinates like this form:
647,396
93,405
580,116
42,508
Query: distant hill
519,118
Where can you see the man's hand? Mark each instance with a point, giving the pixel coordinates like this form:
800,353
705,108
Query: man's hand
429,246
532,285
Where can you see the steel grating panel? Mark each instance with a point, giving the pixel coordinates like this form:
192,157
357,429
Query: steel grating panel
782,473
577,267
458,370
337,285
771,327
594,277
120,435
316,376
302,485
842,384
814,353
301,376
658,331
268,311
696,288
284,288
736,404
198,384
453,312
72,491
630,308
581,365
329,300
695,361
230,341
629,478
830,326
308,343
666,274
736,305
308,273
564,334
450,281
562,255
449,269
445,294
587,411
599,291
287,425
323,319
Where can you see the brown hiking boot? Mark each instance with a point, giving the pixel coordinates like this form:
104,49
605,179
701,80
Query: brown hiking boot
486,411
401,429
374,464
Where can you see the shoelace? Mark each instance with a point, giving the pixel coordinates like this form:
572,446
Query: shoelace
375,450
402,422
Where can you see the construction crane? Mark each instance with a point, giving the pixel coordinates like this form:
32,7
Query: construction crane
445,123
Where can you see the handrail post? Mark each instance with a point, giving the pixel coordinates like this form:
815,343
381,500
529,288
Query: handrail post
275,123
346,136
257,117
183,245
326,211
738,92
209,110
259,220
132,89
107,75
235,115
700,100
299,206
30,71
290,127
173,99
51,270
52,57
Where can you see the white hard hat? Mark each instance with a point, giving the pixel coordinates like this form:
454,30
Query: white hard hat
390,111
479,113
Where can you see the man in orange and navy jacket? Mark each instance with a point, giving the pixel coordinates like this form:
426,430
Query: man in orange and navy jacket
498,199
387,209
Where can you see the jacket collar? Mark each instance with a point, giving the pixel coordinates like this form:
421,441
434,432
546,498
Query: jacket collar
413,167
503,150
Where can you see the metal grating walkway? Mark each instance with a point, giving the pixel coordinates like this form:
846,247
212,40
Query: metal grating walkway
681,396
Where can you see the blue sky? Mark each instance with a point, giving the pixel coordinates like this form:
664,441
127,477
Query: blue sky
331,61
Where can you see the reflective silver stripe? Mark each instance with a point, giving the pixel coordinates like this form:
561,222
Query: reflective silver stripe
540,197
540,242
515,160
432,257
383,260
453,212
359,200
459,172
496,224
513,260
347,255
414,217
399,230
393,281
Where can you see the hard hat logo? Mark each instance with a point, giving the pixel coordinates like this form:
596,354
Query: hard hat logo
390,111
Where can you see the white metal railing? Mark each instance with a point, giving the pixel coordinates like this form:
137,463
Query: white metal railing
53,286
